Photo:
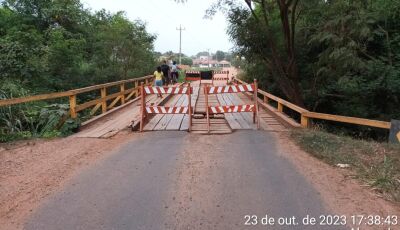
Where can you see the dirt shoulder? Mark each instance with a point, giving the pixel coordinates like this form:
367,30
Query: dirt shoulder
341,193
32,170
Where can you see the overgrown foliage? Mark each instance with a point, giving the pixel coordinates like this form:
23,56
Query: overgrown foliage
343,54
56,45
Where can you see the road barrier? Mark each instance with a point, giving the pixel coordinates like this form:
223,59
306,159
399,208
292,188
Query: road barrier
146,110
233,108
191,75
220,78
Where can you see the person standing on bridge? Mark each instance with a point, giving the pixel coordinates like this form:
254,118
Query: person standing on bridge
158,75
166,72
174,72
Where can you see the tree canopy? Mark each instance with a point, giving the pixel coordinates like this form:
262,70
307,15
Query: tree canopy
335,56
58,45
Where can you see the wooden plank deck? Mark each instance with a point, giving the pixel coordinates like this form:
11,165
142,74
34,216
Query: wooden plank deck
218,125
174,121
160,120
111,125
267,121
195,97
201,102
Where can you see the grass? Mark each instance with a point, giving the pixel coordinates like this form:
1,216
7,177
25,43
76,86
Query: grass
377,164
181,76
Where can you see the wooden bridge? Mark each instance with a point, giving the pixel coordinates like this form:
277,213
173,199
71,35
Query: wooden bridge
119,107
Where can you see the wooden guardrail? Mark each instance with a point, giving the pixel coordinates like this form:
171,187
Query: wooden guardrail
306,115
124,95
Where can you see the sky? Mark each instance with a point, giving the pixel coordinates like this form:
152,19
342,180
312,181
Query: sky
163,17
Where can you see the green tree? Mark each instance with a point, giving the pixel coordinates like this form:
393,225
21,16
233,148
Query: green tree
274,24
56,45
187,61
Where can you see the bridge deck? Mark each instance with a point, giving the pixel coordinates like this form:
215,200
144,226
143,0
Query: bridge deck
118,120
221,124
174,121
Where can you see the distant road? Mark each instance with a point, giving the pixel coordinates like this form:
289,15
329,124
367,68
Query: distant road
175,180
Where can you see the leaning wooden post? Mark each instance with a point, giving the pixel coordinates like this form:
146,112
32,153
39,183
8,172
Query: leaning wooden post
256,115
103,99
122,89
142,107
207,109
227,77
72,106
190,106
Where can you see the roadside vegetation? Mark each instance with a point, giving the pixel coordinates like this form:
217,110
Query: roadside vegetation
338,57
376,164
53,45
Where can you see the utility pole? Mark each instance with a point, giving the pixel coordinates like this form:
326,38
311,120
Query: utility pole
180,43
208,58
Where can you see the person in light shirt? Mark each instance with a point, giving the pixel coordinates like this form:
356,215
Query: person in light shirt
174,72
158,75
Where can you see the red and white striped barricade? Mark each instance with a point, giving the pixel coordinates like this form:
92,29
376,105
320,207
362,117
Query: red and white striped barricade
145,111
219,78
233,108
191,75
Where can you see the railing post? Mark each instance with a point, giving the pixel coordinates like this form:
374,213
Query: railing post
136,89
304,121
280,107
103,100
142,106
207,109
72,106
122,89
256,115
265,99
146,81
190,107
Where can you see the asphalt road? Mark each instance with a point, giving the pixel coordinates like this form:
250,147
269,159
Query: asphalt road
175,180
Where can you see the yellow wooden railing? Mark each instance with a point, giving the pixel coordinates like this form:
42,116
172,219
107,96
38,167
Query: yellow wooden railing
306,115
124,95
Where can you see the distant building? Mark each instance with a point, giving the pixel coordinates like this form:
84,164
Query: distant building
204,62
184,67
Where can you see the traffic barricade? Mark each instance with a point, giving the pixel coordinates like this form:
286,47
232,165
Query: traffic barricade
233,108
145,110
220,78
191,75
